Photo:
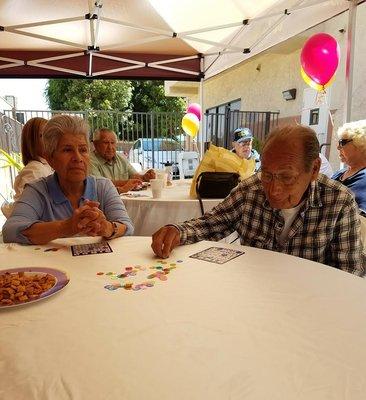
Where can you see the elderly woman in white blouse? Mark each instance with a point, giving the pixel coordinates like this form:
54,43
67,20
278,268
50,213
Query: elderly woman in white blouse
35,165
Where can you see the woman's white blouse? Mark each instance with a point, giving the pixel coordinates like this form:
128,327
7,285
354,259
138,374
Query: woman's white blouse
32,171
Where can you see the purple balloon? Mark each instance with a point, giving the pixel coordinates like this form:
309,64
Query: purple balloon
320,58
195,109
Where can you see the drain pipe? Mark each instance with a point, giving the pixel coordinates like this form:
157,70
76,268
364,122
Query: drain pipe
351,28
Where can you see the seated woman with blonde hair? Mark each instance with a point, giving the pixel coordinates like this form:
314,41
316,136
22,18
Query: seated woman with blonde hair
352,152
68,202
35,166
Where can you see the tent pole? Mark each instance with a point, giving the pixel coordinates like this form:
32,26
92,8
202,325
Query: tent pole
202,121
351,28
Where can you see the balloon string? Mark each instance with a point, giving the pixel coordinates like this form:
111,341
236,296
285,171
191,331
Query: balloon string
195,146
322,98
328,106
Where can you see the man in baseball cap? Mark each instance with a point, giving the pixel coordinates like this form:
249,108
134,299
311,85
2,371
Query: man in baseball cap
242,145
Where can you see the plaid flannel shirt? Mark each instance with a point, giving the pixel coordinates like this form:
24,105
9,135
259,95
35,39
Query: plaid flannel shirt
326,228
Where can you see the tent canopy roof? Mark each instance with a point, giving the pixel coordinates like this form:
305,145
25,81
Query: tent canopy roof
152,39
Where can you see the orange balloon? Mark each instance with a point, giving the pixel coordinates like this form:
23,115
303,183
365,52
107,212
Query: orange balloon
313,84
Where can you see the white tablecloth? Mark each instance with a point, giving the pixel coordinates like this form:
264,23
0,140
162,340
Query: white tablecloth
262,326
175,206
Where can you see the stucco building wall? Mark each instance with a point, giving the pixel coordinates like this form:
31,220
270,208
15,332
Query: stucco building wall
260,81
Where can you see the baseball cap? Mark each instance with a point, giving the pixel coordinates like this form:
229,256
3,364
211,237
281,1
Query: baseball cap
242,134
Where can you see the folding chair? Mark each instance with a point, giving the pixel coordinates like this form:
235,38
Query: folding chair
187,163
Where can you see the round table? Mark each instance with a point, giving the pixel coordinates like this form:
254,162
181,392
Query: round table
262,326
174,206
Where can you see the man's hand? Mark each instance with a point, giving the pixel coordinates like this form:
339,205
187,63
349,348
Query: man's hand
150,174
131,184
164,241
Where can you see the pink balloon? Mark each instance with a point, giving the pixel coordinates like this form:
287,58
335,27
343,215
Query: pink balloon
320,57
195,109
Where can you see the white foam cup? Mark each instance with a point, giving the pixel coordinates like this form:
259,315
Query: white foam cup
162,175
156,187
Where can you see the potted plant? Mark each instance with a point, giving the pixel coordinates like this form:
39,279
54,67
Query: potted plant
8,161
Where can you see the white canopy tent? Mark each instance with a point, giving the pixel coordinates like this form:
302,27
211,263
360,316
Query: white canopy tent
152,39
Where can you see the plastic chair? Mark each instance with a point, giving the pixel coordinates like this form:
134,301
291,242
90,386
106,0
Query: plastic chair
187,163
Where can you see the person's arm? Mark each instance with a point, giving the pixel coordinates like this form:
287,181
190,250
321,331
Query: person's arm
120,182
78,223
346,251
165,240
124,186
28,210
87,219
149,174
44,232
113,207
116,230
214,225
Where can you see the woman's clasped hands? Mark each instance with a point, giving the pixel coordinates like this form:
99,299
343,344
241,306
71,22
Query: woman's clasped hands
89,220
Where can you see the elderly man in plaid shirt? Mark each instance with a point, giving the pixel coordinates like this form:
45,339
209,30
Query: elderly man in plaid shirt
288,207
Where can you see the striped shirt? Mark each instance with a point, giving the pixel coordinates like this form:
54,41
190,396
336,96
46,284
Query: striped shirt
326,228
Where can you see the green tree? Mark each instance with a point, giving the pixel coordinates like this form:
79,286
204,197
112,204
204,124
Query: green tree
121,95
149,96
86,95
110,96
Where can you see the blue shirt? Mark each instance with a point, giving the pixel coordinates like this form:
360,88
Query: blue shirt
44,201
356,183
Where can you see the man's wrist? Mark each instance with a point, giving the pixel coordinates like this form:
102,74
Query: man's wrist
180,231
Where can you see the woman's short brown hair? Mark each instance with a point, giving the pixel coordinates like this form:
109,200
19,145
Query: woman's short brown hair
31,138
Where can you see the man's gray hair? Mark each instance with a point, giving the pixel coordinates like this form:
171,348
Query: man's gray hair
60,124
306,135
98,132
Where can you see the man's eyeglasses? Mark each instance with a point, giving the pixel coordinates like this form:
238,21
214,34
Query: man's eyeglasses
343,142
285,178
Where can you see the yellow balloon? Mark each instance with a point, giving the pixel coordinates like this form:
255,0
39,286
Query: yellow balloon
313,84
190,124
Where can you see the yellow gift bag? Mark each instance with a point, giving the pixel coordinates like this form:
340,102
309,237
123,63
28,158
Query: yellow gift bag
218,159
